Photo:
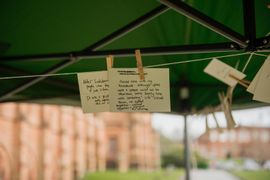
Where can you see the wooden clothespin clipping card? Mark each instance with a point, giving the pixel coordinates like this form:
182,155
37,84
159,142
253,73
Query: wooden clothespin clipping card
139,64
242,82
225,102
109,61
207,129
217,124
224,73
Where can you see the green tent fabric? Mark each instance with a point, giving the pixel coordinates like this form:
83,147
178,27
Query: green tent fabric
42,27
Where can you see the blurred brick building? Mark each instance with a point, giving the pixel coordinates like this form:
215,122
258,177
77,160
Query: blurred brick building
60,142
252,142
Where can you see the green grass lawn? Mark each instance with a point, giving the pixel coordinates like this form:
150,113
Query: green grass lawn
134,175
253,175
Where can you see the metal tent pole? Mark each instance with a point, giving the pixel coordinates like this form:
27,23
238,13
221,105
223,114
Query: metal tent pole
186,150
184,96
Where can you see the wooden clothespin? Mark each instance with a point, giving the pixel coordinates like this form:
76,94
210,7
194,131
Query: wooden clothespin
139,63
242,82
109,61
226,107
207,129
217,124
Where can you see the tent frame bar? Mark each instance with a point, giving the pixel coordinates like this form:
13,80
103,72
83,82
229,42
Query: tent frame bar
205,20
128,28
148,51
58,83
249,23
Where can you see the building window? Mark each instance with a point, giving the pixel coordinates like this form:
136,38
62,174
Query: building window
213,136
255,135
112,148
244,136
223,137
232,135
265,137
112,159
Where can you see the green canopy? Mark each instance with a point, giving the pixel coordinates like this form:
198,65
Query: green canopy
44,37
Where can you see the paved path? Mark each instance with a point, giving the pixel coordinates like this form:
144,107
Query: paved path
211,174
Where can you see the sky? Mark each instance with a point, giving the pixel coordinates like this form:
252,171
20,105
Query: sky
172,125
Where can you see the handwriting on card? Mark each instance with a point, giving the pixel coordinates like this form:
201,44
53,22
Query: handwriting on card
94,91
130,94
223,72
133,93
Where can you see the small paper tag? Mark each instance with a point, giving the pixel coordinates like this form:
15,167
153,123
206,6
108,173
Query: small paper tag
94,91
251,88
222,72
262,88
130,94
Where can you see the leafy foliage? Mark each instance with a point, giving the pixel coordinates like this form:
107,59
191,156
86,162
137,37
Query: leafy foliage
172,154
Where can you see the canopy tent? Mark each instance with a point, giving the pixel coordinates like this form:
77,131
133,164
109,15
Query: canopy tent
47,37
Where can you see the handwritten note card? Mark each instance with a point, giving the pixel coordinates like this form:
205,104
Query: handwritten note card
262,83
94,91
130,94
222,72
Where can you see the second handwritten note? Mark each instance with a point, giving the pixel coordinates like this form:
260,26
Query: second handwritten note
130,94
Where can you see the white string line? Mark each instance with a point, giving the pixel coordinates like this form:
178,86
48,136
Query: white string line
197,60
249,58
156,65
263,51
264,55
37,75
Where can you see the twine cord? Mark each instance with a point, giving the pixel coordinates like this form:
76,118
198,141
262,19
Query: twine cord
149,66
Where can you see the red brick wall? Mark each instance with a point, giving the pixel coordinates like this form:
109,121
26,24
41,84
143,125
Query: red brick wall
45,142
60,142
52,142
91,144
136,141
9,140
31,141
238,142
